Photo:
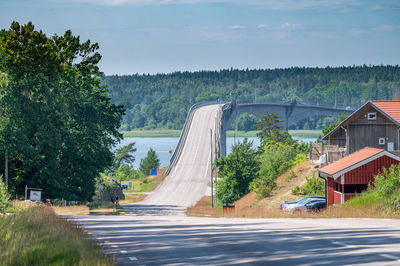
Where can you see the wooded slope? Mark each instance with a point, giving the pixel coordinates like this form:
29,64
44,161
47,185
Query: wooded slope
162,100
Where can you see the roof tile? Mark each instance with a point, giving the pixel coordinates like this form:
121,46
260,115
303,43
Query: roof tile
392,108
350,160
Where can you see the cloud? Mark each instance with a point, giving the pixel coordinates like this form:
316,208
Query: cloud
358,32
236,27
387,27
261,26
289,26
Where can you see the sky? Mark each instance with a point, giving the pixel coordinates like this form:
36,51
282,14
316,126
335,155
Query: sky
164,36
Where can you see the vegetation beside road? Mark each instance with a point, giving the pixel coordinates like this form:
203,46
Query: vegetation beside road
37,236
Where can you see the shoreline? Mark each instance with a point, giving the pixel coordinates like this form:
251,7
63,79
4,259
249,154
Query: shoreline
230,133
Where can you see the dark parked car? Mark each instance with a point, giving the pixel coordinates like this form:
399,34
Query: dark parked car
286,204
316,206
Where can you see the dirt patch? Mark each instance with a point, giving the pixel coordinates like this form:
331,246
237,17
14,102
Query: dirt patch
285,185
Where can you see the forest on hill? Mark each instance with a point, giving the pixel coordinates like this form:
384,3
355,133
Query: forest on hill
161,101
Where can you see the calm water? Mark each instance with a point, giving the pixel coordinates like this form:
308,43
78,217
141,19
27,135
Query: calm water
162,146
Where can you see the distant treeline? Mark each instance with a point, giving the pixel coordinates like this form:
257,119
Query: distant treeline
161,101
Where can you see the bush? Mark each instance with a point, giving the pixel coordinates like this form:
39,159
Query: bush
4,197
296,190
313,187
236,171
126,172
275,160
290,176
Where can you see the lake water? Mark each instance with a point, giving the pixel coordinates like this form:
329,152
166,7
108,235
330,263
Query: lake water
163,145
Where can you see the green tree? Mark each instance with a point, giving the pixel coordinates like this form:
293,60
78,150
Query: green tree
332,126
236,171
269,127
275,160
124,154
151,161
57,122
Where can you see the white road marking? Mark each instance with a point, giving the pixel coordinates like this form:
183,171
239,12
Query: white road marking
124,251
342,244
133,258
390,257
306,237
114,246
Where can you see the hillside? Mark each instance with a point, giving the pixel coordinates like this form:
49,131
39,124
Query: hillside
161,101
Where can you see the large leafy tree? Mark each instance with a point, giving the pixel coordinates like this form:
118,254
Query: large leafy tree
57,122
236,172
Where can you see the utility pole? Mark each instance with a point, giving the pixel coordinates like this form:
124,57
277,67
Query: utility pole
211,158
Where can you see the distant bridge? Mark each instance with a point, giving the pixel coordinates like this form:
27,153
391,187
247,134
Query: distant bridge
203,140
289,112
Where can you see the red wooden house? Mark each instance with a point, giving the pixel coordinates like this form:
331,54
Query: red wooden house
352,174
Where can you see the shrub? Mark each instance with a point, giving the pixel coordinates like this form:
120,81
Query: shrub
236,171
275,160
290,176
296,190
313,187
4,197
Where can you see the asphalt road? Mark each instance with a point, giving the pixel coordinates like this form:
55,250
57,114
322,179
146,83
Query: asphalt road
178,240
188,181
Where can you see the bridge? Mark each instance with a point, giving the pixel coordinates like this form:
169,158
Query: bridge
289,112
202,141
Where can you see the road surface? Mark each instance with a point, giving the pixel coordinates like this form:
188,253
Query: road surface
188,181
179,240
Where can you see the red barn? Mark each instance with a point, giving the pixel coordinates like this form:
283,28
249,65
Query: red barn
352,174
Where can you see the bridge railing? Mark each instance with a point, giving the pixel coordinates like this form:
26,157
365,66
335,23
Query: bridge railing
182,139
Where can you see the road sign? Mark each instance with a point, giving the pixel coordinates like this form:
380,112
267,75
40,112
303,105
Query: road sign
153,171
35,195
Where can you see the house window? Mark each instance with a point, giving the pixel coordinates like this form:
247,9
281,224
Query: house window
381,141
371,116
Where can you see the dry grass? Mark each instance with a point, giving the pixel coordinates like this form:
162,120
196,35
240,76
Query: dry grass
71,210
37,236
202,208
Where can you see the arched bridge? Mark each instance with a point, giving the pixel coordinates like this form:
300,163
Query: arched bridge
290,113
202,141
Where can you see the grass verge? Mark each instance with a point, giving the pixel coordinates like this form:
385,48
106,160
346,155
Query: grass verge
146,183
37,236
202,208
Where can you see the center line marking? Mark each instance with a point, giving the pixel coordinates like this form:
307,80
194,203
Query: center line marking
124,251
306,237
133,258
343,244
114,246
390,257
